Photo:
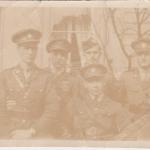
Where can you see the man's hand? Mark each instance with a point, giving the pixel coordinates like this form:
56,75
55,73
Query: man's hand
23,134
66,134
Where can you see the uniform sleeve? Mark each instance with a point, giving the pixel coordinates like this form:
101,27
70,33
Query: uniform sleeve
115,89
123,89
49,118
4,120
137,128
123,117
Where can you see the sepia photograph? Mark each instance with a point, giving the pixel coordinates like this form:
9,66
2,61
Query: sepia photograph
74,74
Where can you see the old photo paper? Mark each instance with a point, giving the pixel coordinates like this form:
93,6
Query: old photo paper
75,73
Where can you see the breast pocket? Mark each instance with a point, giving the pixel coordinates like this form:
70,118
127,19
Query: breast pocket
36,94
13,93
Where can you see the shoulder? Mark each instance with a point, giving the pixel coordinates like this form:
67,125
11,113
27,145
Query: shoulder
64,75
129,73
47,69
42,71
8,71
112,106
6,74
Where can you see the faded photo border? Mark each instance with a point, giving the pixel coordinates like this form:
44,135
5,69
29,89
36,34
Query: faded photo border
74,143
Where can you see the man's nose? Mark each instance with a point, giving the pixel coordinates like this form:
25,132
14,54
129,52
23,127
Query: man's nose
59,56
30,51
95,86
143,55
92,55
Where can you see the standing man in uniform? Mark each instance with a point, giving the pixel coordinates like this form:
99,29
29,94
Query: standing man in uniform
92,52
24,87
96,116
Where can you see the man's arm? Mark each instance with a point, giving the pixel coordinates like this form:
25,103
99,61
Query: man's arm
48,120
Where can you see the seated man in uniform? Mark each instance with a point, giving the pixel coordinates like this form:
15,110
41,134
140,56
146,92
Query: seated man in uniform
58,51
23,87
96,116
136,86
59,91
136,82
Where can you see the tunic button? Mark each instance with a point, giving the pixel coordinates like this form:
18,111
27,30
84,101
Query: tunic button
147,95
25,95
96,110
23,121
25,109
41,90
11,89
81,112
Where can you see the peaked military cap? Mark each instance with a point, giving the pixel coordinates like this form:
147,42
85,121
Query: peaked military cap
59,45
27,37
141,46
94,71
88,44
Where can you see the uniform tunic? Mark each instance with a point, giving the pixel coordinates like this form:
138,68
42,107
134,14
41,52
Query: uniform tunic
98,119
28,95
136,92
59,104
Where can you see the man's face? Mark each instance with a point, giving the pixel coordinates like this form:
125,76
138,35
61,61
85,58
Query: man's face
58,59
92,55
94,87
143,59
27,54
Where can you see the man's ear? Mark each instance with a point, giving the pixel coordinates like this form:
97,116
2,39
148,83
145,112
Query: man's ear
18,46
49,56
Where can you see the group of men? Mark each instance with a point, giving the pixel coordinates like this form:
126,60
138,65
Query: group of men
59,104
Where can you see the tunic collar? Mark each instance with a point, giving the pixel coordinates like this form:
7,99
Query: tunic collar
20,76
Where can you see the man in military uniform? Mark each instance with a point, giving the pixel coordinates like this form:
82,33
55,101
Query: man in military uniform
60,90
24,86
93,55
136,82
92,51
136,86
96,116
58,51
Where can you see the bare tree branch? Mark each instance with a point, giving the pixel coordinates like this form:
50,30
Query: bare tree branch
146,32
139,23
103,45
106,19
104,50
145,16
112,14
